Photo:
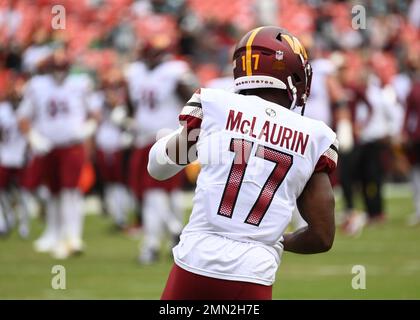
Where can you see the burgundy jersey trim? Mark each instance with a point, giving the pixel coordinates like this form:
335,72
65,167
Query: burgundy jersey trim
328,161
192,113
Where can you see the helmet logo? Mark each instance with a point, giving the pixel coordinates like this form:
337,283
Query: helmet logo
279,55
270,112
295,45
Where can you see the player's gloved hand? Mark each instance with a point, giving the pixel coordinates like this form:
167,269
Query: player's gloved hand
38,143
88,129
126,139
119,115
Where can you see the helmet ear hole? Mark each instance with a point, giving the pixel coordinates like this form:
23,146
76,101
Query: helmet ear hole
296,78
279,37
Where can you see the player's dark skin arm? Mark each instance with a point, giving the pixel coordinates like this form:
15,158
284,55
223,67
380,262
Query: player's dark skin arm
316,205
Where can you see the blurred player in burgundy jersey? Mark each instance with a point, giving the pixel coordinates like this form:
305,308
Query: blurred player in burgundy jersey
259,160
157,88
111,140
54,117
13,162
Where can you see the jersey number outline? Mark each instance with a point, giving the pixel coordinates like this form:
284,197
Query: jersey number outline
148,98
57,107
242,149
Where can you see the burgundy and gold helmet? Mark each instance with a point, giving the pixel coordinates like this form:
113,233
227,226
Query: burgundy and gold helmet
271,57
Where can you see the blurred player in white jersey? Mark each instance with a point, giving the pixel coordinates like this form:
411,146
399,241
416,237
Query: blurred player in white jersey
54,117
224,82
111,141
259,160
157,86
13,160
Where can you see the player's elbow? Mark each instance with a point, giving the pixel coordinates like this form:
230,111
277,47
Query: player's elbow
157,161
326,245
324,240
155,171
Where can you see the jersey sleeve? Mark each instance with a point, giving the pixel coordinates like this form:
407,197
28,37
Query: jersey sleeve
328,160
191,114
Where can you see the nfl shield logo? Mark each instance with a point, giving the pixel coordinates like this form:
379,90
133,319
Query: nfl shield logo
279,55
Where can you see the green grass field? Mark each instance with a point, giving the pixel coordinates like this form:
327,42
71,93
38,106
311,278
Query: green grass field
108,270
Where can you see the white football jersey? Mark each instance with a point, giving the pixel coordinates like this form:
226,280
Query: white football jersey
58,111
153,93
256,159
319,103
12,142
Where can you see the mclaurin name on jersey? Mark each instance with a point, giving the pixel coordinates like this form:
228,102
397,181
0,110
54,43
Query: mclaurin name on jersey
273,133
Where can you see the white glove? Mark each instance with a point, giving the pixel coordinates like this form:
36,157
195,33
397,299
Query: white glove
88,129
119,115
38,143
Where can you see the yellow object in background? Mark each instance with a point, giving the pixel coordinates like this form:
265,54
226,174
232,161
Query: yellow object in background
192,171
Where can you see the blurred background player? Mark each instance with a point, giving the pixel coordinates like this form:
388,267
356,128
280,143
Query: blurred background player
14,193
378,134
54,117
327,102
111,142
353,85
158,84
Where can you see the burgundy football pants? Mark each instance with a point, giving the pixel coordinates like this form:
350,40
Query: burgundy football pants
184,285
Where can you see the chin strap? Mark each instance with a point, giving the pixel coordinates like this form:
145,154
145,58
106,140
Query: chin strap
308,72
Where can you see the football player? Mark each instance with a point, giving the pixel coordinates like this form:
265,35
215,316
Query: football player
111,141
13,161
260,158
53,115
157,85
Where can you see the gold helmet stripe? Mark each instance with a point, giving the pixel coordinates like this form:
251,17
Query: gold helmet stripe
248,53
